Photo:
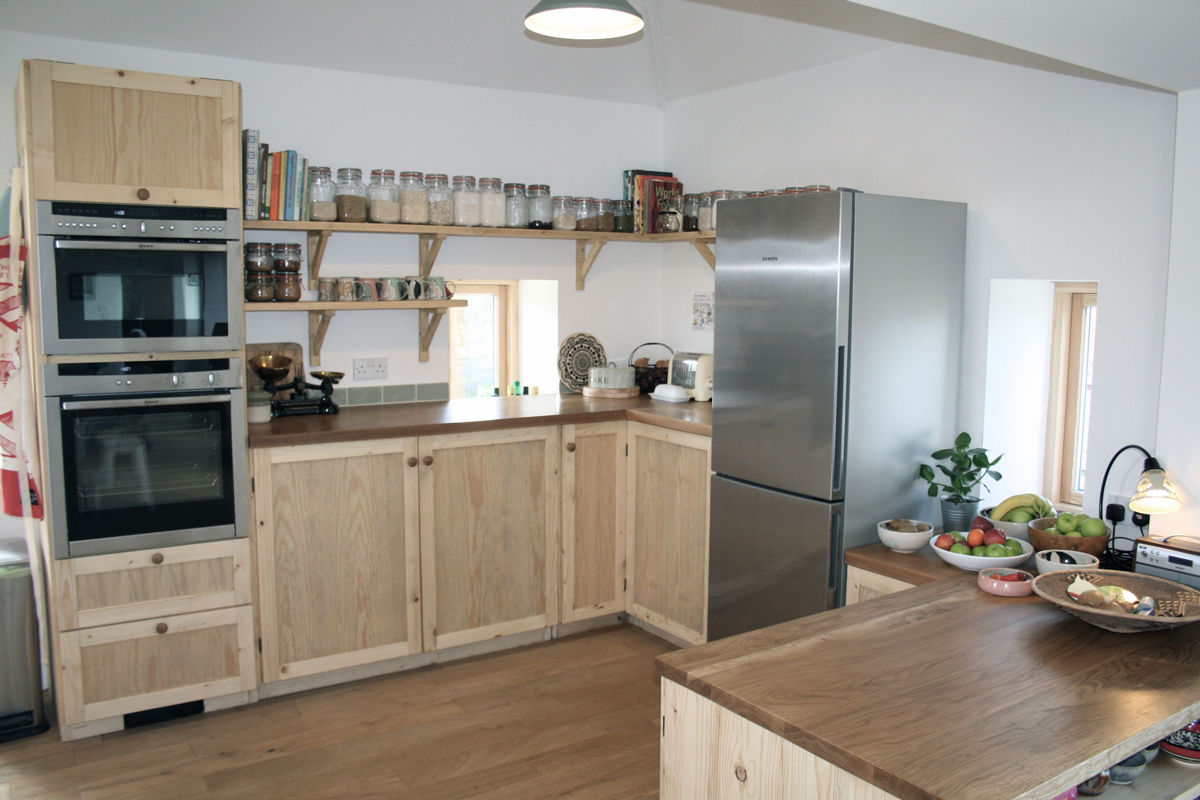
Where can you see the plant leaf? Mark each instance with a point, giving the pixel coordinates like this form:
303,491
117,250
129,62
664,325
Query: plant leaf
980,460
994,475
940,454
926,472
933,490
963,441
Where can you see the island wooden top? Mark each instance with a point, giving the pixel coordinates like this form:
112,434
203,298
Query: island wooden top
916,568
943,692
476,414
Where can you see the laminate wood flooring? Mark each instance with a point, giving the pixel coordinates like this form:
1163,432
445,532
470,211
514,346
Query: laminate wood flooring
573,718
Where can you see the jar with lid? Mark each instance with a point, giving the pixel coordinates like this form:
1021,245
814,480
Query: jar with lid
623,216
383,196
441,202
287,286
322,195
718,197
466,201
794,190
564,213
351,195
704,216
604,210
258,257
587,216
668,219
817,187
286,257
414,202
691,212
516,206
541,210
260,287
491,203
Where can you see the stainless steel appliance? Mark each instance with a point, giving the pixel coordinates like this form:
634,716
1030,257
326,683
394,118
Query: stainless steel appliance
837,328
1175,558
138,279
21,710
693,372
145,454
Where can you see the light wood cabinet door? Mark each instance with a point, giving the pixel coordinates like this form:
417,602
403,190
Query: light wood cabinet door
667,564
338,555
121,587
593,520
489,534
119,136
863,585
132,666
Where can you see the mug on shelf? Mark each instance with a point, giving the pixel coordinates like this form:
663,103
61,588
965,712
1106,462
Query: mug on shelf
390,289
413,288
437,288
327,289
345,289
365,290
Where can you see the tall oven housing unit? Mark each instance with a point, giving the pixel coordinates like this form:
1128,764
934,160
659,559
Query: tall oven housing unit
837,328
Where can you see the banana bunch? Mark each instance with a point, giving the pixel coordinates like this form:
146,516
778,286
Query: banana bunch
1015,508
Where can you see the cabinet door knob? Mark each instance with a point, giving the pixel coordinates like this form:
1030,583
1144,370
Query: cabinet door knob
412,461
427,460
157,558
143,194
160,627
570,447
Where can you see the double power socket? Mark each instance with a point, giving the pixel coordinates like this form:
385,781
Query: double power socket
370,369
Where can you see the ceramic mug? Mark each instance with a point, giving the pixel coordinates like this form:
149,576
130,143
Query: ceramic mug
434,288
413,287
365,290
389,289
345,290
327,289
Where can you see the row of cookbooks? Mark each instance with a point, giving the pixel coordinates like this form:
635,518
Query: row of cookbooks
276,183
651,192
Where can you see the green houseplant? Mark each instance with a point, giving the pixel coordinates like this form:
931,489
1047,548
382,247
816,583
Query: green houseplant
958,480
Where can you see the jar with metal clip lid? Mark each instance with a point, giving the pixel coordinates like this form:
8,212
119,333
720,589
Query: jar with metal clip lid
383,196
587,215
491,203
287,286
719,197
286,257
516,206
704,216
691,212
260,287
564,213
604,210
257,257
351,195
466,201
541,209
441,202
414,201
623,216
322,195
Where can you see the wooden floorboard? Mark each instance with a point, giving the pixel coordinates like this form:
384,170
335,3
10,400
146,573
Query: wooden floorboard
573,718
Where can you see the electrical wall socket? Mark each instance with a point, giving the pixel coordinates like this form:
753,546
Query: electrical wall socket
370,369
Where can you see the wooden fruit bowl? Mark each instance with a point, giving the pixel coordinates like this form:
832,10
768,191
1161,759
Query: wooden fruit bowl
1092,545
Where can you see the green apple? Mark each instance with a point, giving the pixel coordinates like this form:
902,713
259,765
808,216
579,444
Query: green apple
1073,535
1014,547
1019,516
1093,527
1055,531
958,537
980,550
996,551
1066,522
960,548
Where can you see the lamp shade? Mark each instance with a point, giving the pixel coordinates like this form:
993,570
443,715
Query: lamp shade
584,19
1155,493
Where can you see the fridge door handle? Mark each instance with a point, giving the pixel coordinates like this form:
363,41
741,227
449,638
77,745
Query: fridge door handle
835,596
839,441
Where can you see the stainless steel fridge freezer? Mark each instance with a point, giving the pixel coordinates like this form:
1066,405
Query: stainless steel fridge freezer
836,357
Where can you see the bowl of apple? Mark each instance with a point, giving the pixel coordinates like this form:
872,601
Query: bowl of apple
1068,531
979,549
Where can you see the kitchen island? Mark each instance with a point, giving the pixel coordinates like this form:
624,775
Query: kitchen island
939,692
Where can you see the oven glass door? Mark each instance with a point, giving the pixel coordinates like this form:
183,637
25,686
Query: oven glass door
134,296
147,465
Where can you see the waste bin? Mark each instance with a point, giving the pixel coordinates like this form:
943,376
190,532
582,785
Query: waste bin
21,712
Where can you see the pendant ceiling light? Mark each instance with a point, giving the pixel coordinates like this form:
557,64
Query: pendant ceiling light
584,19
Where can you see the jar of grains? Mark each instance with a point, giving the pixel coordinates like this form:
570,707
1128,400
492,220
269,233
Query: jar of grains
817,187
287,286
351,195
623,216
604,209
260,287
516,206
414,202
704,216
541,210
587,216
794,190
466,200
286,257
564,213
322,197
257,257
691,212
718,197
441,202
383,196
491,203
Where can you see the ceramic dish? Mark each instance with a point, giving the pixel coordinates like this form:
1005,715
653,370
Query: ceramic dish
577,354
904,541
1183,744
1019,530
670,393
989,581
1055,560
976,563
1168,595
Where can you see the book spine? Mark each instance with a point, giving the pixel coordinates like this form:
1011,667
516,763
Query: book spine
303,215
289,192
277,169
250,163
264,177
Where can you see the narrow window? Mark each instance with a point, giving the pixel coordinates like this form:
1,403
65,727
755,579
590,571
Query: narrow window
1072,353
483,338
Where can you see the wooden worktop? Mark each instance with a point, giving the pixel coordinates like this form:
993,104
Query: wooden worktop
476,414
917,568
944,692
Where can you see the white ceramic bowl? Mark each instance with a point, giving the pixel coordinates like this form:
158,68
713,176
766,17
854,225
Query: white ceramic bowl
1047,560
1013,530
904,541
976,563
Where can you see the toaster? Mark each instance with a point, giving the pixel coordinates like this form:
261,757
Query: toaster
694,373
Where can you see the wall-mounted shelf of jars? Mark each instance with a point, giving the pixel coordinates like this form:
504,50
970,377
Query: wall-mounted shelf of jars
320,314
430,238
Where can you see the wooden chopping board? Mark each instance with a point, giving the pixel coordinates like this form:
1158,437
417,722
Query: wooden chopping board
589,391
290,349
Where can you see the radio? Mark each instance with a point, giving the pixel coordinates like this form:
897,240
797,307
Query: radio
1175,558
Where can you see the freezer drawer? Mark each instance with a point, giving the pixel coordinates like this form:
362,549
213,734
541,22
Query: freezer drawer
771,557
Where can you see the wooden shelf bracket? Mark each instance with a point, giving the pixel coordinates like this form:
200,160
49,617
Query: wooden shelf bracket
316,252
427,325
428,246
318,325
705,250
584,259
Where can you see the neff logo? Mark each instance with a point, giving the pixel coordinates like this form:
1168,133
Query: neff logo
770,258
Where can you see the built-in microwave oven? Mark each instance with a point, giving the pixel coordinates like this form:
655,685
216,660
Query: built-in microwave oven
138,279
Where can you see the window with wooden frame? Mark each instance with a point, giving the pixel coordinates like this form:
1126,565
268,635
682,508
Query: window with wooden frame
1072,351
483,338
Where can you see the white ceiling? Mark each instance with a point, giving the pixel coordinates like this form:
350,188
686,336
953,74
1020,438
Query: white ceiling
688,47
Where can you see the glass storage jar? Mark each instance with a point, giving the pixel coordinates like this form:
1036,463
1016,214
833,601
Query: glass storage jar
587,216
414,202
604,209
794,190
817,187
441,203
258,257
691,212
704,217
516,206
491,203
383,196
322,195
541,210
285,257
564,213
351,195
623,216
466,201
287,286
668,219
718,197
260,287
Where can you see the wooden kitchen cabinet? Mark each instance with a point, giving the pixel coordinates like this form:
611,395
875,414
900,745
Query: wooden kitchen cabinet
489,534
593,520
668,518
338,565
863,585
118,136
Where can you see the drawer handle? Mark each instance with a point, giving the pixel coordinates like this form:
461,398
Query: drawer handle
412,461
160,627
427,460
157,558
143,194
570,447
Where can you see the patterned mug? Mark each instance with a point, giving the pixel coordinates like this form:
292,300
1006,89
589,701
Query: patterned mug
389,289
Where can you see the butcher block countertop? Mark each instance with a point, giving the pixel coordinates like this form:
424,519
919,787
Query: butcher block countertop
916,568
942,691
354,423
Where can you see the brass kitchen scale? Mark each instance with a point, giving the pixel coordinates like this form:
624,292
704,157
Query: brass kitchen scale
273,367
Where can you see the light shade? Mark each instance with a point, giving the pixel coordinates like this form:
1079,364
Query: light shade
584,19
1154,493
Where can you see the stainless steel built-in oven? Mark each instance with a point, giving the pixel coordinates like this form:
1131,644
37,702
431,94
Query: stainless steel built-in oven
145,454
138,279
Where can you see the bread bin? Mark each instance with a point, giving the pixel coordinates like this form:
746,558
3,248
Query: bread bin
610,377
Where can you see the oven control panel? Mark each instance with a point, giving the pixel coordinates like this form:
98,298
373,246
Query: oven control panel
135,377
158,222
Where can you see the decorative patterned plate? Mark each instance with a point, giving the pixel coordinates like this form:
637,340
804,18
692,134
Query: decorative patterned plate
577,354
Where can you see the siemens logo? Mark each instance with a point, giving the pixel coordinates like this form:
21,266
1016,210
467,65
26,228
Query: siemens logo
770,258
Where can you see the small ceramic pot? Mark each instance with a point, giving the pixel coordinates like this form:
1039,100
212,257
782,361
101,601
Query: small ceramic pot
1094,785
1124,772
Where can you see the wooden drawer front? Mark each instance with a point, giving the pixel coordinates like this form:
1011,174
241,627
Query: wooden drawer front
132,666
121,587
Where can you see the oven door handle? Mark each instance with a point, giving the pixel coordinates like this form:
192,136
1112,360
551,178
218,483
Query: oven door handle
76,244
142,402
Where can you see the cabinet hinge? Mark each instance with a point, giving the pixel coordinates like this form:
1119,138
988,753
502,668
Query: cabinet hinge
664,726
252,486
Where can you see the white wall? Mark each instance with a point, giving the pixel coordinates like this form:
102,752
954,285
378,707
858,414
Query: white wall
368,121
1065,179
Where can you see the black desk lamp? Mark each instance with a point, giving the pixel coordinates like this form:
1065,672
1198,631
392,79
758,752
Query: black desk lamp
1155,494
